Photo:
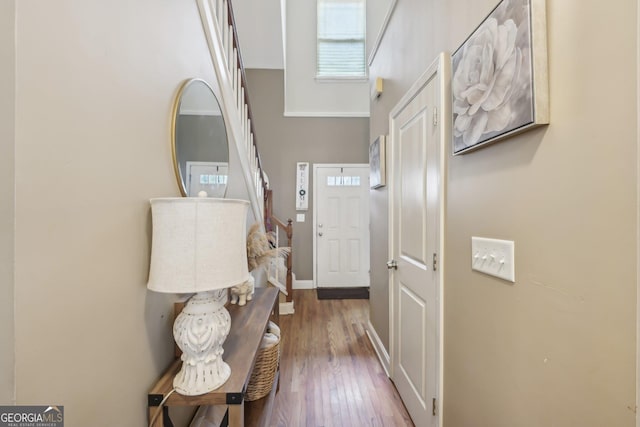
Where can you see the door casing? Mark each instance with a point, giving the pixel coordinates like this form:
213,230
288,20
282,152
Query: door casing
440,68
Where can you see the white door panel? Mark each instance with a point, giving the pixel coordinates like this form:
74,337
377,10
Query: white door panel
341,206
412,201
207,176
415,197
412,342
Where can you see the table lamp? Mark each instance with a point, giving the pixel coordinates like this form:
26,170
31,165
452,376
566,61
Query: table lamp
199,246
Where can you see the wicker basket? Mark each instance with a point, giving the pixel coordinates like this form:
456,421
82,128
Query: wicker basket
264,373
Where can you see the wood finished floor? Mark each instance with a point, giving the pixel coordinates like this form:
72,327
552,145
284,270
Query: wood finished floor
330,374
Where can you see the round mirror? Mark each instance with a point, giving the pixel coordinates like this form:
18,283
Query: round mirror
200,146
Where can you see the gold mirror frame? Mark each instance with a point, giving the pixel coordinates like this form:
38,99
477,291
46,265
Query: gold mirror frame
178,102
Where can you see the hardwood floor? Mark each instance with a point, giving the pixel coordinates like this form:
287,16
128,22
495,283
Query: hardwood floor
330,374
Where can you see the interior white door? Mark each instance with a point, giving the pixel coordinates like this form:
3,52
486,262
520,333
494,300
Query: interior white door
207,176
415,218
341,220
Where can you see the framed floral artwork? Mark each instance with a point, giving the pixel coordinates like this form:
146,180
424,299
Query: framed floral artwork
499,76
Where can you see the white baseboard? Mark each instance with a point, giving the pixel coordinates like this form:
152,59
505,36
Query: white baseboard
382,353
286,308
303,284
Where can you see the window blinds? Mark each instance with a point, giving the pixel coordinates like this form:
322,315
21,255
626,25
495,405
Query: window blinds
341,38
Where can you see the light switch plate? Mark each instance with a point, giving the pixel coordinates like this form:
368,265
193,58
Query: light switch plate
494,257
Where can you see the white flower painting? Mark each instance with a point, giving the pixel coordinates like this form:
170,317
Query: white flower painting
492,82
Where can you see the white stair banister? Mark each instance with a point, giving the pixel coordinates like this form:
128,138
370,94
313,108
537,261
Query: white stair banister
217,22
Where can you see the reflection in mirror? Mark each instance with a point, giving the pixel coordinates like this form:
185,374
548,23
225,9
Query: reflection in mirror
200,146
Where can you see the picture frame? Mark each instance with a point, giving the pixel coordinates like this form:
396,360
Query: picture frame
377,162
500,77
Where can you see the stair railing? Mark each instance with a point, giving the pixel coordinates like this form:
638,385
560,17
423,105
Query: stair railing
220,31
282,233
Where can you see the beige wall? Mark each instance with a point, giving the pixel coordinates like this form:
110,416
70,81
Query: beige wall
7,123
95,84
283,141
558,346
378,257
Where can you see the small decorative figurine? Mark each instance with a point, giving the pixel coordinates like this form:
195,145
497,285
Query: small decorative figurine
242,293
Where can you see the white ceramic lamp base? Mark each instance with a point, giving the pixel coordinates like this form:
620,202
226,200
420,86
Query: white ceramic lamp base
200,330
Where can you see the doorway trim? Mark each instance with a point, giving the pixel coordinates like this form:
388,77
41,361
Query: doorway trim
314,201
440,68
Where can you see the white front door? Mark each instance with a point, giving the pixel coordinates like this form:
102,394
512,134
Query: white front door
207,176
415,231
341,223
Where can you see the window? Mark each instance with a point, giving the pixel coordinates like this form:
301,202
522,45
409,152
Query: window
341,38
343,181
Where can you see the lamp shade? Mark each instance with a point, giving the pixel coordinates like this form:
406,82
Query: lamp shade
199,244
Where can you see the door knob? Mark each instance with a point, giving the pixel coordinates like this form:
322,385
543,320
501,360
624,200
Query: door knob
392,265
320,234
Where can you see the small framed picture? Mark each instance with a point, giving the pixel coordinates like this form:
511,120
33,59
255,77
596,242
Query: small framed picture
377,160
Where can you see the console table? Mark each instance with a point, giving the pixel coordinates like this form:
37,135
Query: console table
248,325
